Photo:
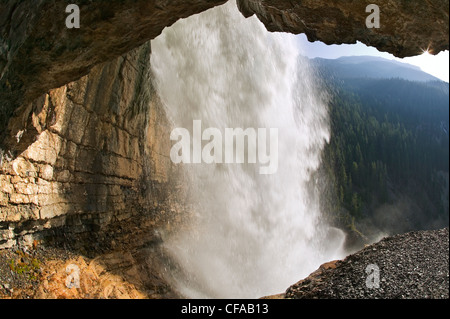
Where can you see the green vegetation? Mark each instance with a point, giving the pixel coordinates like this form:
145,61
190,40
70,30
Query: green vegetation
25,265
389,144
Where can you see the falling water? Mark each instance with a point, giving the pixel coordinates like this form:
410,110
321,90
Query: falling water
256,234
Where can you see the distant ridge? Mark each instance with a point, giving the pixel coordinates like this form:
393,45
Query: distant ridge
370,67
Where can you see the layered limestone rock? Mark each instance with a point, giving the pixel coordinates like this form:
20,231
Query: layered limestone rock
92,176
90,153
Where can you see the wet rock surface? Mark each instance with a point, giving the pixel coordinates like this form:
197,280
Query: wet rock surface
411,266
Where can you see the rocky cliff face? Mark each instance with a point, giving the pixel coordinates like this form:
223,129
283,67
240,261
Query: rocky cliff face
90,176
90,153
38,52
407,28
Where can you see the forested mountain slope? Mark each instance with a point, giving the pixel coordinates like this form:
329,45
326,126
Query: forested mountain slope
387,162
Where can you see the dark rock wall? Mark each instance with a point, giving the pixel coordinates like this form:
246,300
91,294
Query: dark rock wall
406,27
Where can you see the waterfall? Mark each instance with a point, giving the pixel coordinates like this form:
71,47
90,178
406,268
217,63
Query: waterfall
255,234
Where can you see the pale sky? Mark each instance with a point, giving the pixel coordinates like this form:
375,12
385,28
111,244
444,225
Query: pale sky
437,65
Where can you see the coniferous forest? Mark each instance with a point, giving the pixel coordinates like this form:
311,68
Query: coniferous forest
386,167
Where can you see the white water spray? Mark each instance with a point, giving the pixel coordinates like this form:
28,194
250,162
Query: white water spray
256,234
